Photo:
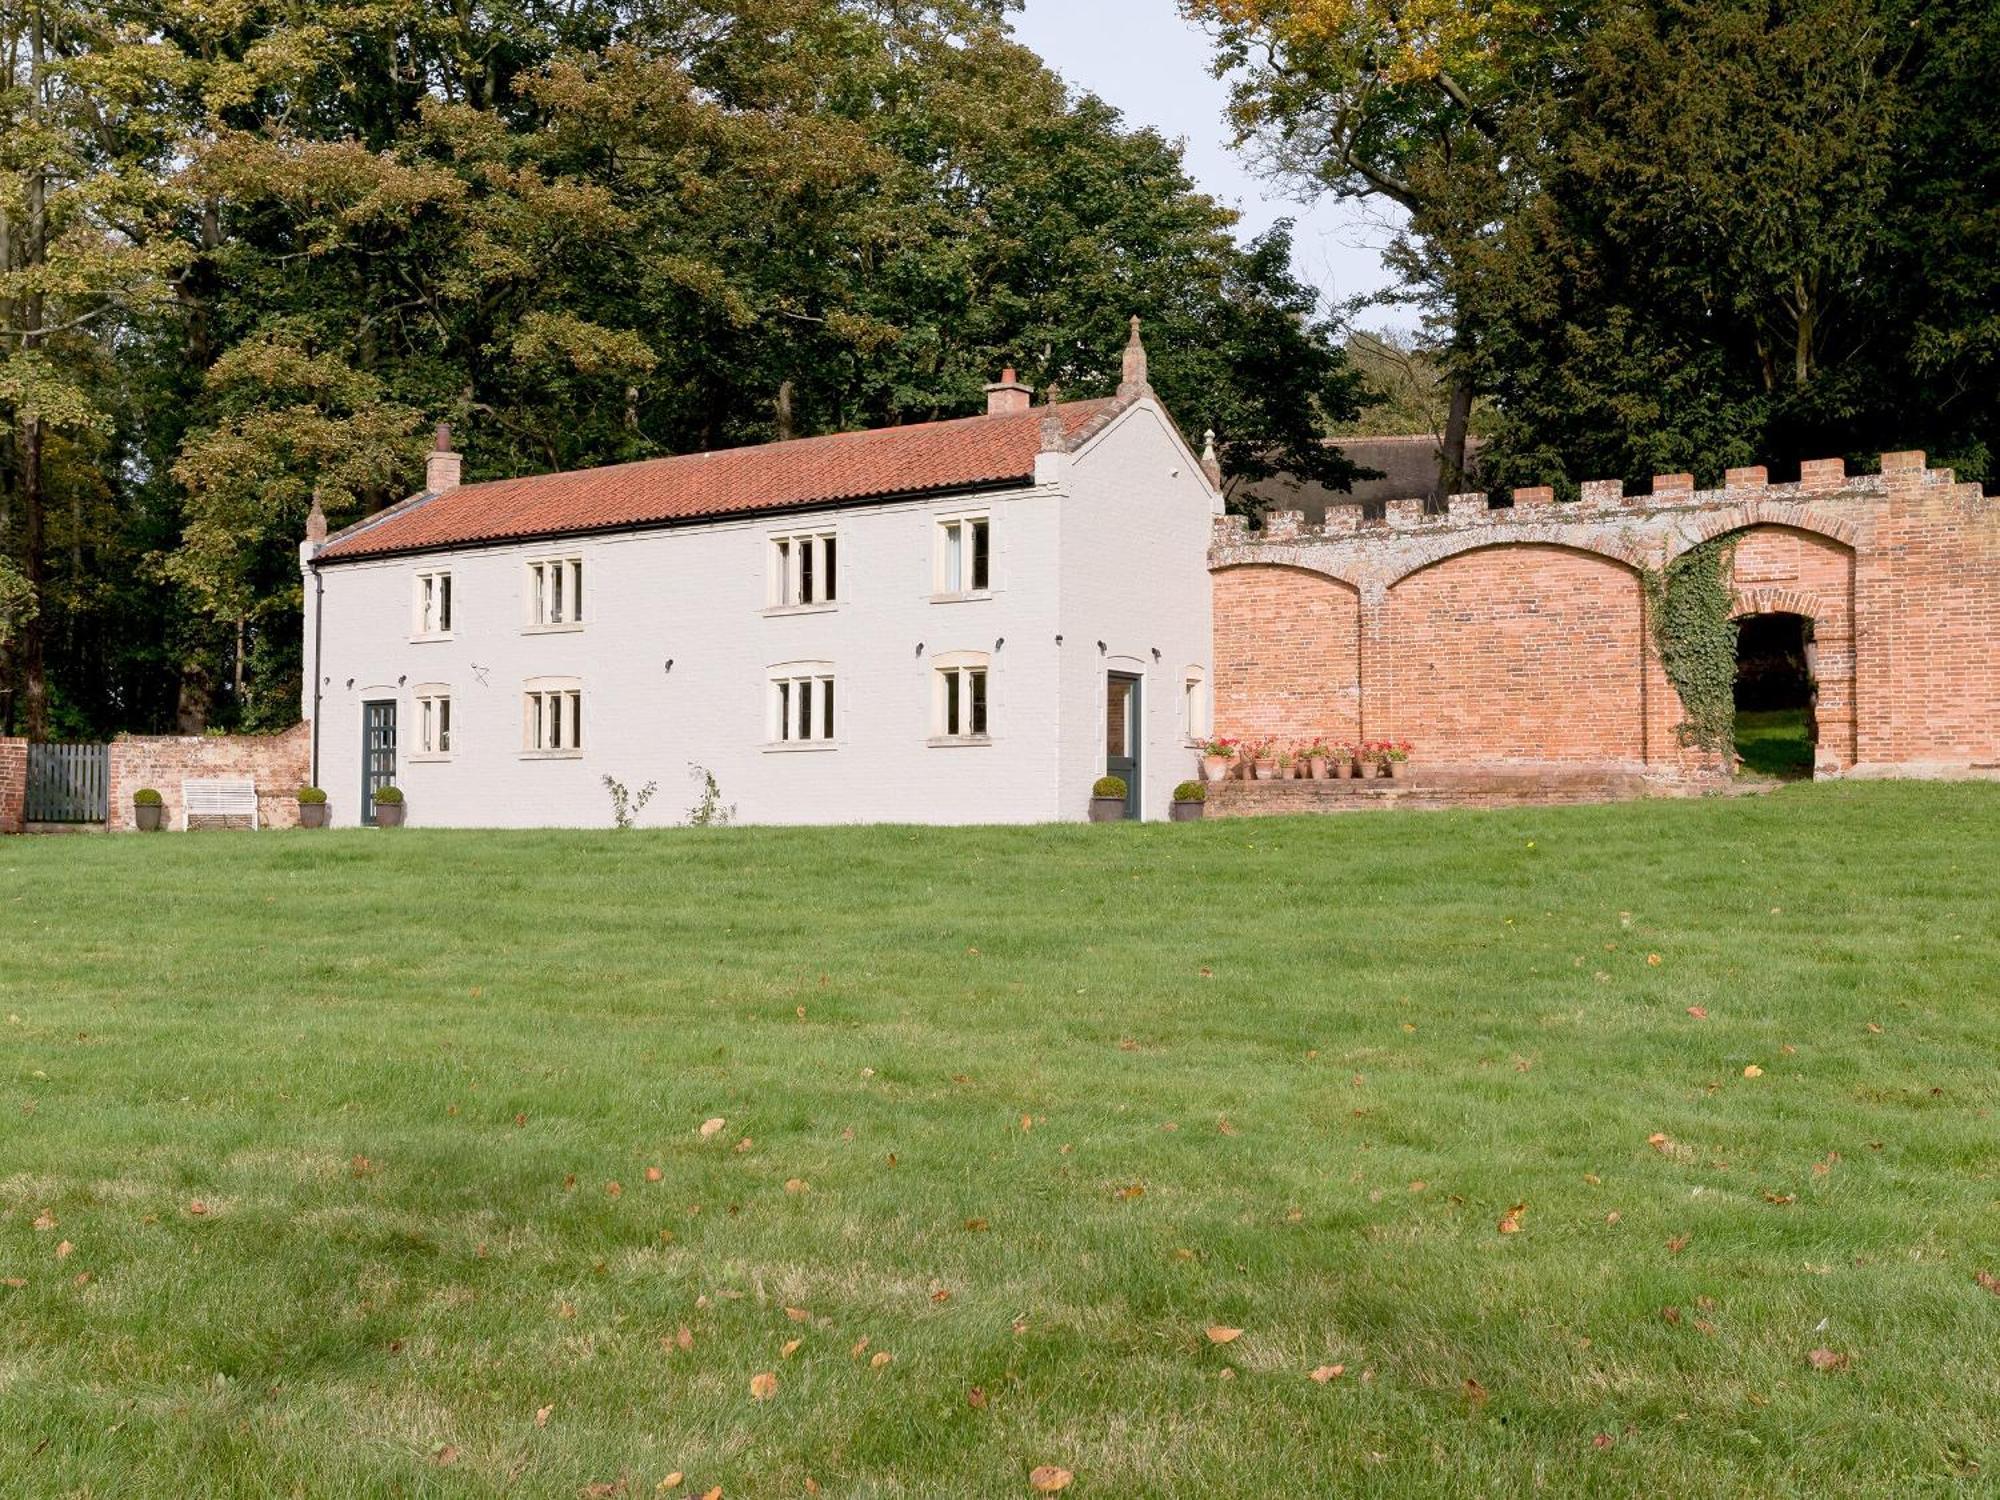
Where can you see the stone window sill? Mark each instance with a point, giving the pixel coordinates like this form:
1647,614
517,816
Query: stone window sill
568,627
778,611
800,747
551,755
966,598
958,741
430,757
431,639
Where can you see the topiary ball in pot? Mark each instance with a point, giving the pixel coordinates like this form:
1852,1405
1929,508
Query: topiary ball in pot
148,809
1190,798
312,807
1108,799
389,808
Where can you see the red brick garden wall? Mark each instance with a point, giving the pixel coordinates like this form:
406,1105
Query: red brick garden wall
1287,655
13,785
1520,635
1519,653
279,763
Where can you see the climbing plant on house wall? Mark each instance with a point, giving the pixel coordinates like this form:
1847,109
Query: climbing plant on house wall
1689,603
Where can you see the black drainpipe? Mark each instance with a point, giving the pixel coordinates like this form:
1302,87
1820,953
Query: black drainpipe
319,674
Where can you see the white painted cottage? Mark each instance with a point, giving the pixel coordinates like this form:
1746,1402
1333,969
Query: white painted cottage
955,622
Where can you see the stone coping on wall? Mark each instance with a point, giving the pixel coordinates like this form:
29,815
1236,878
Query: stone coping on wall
1642,530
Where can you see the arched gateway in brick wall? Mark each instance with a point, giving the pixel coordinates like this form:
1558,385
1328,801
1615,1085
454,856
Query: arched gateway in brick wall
1519,636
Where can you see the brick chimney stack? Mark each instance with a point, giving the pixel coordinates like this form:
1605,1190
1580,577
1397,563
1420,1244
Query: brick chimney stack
1133,381
442,466
1007,394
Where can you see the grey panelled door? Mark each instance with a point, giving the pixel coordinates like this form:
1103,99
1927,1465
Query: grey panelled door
378,753
1122,735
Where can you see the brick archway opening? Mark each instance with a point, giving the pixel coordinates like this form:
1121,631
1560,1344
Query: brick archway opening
1777,693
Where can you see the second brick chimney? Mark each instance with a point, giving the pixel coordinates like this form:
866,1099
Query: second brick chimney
1007,394
441,465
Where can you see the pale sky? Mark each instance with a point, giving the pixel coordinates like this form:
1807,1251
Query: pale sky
1142,58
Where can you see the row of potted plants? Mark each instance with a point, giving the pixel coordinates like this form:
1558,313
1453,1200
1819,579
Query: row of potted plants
149,808
1107,800
1315,760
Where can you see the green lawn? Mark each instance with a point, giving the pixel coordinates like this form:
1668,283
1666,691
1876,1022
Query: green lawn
1029,1112
1774,742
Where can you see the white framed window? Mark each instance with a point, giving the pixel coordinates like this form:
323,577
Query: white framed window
433,701
964,556
430,605
961,698
555,593
552,716
805,570
1194,703
800,706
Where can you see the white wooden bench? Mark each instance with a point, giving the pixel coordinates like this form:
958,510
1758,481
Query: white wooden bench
218,797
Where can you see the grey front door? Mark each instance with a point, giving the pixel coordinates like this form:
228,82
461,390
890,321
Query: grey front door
378,752
1123,732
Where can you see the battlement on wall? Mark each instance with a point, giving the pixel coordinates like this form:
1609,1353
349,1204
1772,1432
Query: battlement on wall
1601,502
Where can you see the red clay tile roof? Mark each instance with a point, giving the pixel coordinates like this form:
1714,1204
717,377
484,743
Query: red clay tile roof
848,466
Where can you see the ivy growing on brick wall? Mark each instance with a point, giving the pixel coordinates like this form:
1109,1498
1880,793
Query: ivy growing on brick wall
1690,603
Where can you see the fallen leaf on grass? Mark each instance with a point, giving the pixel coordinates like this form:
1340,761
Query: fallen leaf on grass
1221,1335
1602,1441
1989,1281
881,1361
1780,1198
1613,1217
1511,1224
795,1184
21,1281
714,1494
712,1128
743,1145
860,1347
1699,1012
45,1220
1127,1194
444,1454
1671,1314
798,1314
763,1386
1678,1243
1048,1479
614,1189
1658,1141
1475,1392
654,1174
1327,1372
671,1482
1873,1029
197,1208
791,1348
1652,960
542,1415
1826,1361
1753,1071
684,1337
976,1398
977,1225
361,1166
64,1250
1224,1126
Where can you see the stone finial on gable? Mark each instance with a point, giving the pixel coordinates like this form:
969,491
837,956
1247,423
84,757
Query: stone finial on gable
315,523
1053,438
1211,465
1133,382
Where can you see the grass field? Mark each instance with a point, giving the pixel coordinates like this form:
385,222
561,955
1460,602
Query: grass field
327,1163
1774,742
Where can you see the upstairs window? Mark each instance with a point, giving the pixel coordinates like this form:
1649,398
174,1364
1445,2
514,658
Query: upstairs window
800,708
432,605
964,555
804,570
555,592
552,716
959,696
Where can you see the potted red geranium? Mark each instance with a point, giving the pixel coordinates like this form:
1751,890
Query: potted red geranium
1217,756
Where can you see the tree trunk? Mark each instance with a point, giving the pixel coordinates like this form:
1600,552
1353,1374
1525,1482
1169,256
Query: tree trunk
34,634
1451,460
784,411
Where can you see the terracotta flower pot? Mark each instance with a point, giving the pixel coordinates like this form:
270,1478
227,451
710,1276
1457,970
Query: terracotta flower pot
1396,770
1357,768
147,815
1215,767
1316,767
1267,770
312,815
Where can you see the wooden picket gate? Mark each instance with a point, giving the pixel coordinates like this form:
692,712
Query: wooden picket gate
69,783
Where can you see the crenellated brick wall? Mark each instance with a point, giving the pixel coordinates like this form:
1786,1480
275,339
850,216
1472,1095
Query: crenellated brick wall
279,763
13,785
1518,636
